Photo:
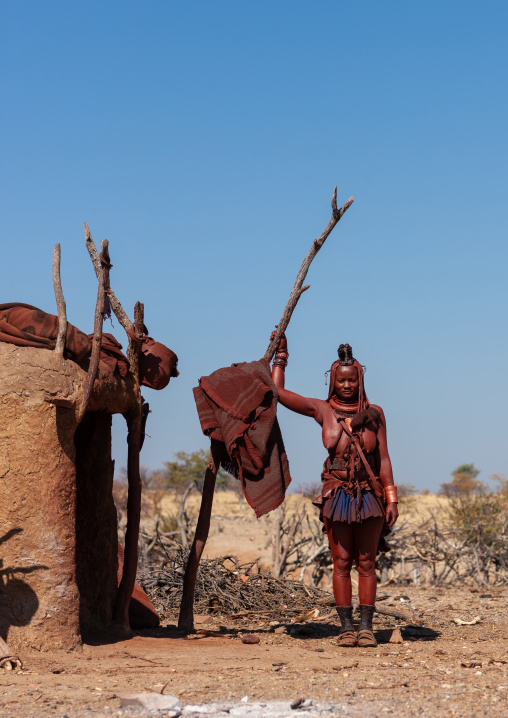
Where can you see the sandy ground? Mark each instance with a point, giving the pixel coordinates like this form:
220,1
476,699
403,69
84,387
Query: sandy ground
440,669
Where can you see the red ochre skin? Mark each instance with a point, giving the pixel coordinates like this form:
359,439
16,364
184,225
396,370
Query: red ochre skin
356,541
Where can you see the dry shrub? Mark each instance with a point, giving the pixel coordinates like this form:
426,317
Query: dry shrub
467,542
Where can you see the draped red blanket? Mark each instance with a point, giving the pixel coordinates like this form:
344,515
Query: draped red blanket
28,326
238,406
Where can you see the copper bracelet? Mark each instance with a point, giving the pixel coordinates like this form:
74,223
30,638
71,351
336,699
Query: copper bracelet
391,494
280,362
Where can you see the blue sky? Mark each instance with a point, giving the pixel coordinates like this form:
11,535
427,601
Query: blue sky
204,141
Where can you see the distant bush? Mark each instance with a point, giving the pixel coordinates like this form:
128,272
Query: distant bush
464,481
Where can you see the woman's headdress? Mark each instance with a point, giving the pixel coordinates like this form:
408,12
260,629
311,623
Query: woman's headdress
364,413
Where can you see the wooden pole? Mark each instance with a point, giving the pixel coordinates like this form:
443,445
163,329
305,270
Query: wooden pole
133,419
186,618
298,289
134,424
100,306
60,303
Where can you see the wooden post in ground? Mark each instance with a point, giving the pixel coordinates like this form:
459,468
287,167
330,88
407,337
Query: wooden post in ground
60,302
186,618
133,419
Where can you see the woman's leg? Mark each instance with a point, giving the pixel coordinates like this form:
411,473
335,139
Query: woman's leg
366,538
341,540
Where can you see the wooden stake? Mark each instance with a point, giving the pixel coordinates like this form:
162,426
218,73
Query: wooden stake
186,618
133,419
60,303
93,367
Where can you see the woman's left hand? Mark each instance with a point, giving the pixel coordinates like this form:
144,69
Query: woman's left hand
392,514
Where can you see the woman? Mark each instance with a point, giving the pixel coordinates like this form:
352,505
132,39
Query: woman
358,495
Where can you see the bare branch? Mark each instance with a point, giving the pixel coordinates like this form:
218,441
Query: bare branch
97,329
134,348
186,617
60,303
297,290
115,304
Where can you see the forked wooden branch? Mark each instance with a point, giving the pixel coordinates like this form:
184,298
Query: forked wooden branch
93,367
115,304
133,418
186,618
60,303
298,289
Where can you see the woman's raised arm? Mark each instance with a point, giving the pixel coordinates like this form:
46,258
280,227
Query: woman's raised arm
295,402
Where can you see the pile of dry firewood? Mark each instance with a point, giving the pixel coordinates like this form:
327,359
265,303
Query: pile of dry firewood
224,586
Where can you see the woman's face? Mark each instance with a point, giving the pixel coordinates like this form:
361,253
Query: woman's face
346,383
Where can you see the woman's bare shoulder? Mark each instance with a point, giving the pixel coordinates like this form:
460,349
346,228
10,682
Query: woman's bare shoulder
381,412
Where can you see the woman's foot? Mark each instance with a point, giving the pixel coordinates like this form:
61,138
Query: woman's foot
365,634
347,637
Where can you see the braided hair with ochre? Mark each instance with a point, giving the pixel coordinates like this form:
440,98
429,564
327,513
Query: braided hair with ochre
364,413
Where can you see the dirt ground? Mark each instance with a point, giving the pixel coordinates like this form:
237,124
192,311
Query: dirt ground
440,669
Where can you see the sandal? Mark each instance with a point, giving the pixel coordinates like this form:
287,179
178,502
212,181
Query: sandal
366,639
347,639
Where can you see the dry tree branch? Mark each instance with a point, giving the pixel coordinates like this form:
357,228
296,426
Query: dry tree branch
60,303
93,367
298,289
115,304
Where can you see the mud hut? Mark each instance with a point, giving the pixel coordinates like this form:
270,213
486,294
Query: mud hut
58,542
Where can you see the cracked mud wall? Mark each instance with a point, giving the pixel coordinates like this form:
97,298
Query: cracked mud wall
57,525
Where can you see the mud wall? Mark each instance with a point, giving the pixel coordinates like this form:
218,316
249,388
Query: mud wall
58,551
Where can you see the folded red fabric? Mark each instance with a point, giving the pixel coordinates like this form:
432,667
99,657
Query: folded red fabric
238,406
